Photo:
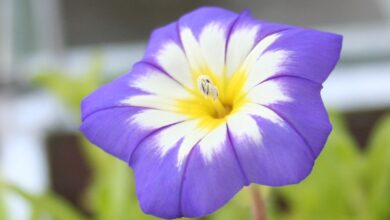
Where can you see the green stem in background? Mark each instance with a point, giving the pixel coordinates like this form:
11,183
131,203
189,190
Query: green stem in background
257,203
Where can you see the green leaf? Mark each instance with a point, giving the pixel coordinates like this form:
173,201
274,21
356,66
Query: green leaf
378,170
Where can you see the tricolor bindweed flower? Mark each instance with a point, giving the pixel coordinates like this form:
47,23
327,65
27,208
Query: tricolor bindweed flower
220,100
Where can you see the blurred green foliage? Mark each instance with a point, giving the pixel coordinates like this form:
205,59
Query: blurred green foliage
71,90
344,184
3,213
47,204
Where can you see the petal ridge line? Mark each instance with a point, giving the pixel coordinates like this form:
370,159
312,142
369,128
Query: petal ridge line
158,68
178,30
283,76
84,118
288,76
121,106
179,36
230,31
182,181
149,135
246,179
161,70
265,36
312,153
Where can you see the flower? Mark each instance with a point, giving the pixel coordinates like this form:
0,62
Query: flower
220,100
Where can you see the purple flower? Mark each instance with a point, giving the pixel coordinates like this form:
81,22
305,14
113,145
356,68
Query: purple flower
220,100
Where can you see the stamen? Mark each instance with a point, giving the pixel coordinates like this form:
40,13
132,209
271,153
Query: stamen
206,86
208,89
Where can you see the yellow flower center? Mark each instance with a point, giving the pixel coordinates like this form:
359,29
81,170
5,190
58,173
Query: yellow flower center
214,98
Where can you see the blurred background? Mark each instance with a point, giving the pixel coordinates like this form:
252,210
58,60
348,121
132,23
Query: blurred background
54,52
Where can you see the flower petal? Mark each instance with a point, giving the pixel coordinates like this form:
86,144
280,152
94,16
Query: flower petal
108,96
281,50
269,92
110,131
311,54
153,81
144,80
264,67
298,102
158,174
278,156
249,37
164,52
151,101
203,35
158,179
118,130
240,44
212,176
192,188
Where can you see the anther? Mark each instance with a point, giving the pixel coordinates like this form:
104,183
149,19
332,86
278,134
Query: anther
206,86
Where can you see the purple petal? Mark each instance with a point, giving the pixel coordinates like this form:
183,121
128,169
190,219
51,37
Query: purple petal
116,92
169,189
109,129
108,96
119,130
158,174
110,123
303,110
158,179
313,54
210,183
164,52
245,34
277,157
203,35
158,38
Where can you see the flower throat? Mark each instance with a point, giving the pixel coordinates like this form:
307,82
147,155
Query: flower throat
210,92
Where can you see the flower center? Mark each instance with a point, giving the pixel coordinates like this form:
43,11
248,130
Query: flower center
210,93
214,98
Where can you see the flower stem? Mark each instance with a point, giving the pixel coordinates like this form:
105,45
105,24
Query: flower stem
257,203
